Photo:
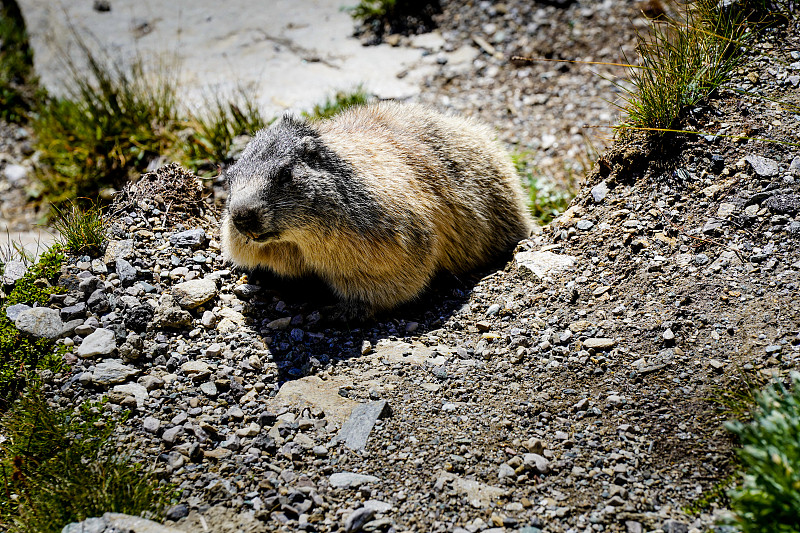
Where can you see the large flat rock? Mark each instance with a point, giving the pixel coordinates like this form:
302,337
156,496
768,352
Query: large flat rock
293,52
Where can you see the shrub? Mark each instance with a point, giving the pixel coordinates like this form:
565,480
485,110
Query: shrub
769,497
59,467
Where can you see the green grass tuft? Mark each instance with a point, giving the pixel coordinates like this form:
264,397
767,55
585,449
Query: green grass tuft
769,498
60,467
337,103
82,230
20,356
367,10
684,59
211,134
17,81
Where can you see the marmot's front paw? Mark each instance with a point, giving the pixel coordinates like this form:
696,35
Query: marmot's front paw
346,313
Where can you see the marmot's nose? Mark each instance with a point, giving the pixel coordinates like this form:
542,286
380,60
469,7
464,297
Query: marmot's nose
246,218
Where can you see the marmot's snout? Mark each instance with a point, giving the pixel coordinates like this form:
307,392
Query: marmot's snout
249,219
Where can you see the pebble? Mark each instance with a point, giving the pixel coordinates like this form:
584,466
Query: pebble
151,424
599,343
101,342
194,293
13,271
349,480
15,174
40,322
358,519
599,192
112,371
355,431
189,238
762,166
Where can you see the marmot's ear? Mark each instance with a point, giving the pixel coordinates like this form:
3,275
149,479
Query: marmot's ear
308,146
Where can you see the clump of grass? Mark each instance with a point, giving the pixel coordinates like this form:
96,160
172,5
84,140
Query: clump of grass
111,124
338,102
769,498
60,467
20,356
17,82
372,9
683,59
211,132
82,229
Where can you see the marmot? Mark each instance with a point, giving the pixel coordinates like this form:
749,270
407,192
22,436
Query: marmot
374,201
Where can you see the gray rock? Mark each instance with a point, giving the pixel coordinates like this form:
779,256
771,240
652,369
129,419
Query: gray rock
585,225
189,238
126,272
194,293
246,290
348,480
169,315
762,166
13,311
358,519
15,173
209,389
599,343
122,249
101,342
135,390
41,322
151,424
674,526
794,166
72,312
111,372
536,462
116,522
600,191
543,264
170,436
13,272
355,431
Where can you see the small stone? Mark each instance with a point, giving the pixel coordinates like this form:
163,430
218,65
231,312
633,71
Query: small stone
348,480
794,166
126,272
170,436
209,389
536,462
15,174
715,365
218,453
280,323
13,271
40,322
725,210
189,238
176,512
355,431
493,310
599,192
13,311
505,471
585,225
134,390
668,335
358,519
366,347
674,526
100,343
151,424
194,293
762,166
112,371
599,343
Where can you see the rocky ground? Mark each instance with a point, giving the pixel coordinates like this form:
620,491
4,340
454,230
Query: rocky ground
569,391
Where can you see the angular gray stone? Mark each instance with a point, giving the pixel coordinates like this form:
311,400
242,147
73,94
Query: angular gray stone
13,271
355,431
41,322
348,480
115,522
543,264
133,389
125,271
194,293
599,343
169,315
358,519
111,372
762,166
101,342
189,238
209,389
600,191
151,424
536,462
118,250
13,311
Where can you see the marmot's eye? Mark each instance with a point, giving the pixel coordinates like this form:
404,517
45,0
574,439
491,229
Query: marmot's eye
284,175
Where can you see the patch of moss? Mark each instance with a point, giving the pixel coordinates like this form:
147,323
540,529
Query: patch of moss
20,356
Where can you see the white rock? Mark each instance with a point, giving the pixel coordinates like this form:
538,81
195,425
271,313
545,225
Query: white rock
194,293
101,342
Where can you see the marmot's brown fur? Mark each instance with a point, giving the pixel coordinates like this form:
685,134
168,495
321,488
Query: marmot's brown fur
374,201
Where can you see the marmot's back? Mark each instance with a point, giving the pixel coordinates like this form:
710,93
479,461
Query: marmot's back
377,200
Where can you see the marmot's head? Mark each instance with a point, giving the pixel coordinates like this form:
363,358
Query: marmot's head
284,182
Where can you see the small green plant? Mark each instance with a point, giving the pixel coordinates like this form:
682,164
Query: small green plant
21,356
769,497
17,82
60,467
82,230
372,9
339,102
682,61
546,199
